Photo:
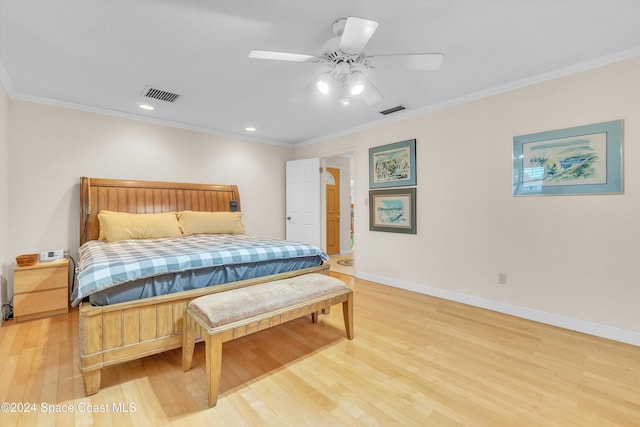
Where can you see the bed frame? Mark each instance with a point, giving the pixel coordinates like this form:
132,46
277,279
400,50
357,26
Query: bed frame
127,331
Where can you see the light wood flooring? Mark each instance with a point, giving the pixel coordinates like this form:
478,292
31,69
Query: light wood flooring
415,361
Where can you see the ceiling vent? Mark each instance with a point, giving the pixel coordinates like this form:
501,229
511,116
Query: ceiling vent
393,110
162,95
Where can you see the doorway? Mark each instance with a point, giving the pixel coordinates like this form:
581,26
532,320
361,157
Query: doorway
338,210
332,191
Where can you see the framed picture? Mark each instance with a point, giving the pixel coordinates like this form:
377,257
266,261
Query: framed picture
580,160
393,165
393,210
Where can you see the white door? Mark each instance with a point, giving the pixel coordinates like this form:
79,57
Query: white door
303,201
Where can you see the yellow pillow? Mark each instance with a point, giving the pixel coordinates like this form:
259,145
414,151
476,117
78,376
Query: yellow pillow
116,226
194,222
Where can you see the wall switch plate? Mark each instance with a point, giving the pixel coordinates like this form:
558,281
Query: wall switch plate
51,255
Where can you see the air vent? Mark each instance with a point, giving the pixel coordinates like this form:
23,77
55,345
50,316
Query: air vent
393,110
162,95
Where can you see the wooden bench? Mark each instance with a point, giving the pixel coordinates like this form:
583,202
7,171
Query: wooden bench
224,316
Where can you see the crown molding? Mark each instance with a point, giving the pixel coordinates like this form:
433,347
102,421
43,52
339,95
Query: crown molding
12,94
496,90
6,80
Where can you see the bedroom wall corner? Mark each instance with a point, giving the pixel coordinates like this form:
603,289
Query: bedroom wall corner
5,260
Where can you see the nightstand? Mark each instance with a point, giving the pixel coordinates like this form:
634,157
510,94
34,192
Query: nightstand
41,290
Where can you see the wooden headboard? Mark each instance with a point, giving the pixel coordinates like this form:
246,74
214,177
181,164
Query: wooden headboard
98,194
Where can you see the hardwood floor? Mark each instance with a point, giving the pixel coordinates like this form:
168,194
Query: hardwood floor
415,360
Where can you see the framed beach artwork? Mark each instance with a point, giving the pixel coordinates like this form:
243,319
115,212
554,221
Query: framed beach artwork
393,210
579,160
393,165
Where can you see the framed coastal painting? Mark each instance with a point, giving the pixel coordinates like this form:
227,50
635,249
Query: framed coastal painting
579,160
393,210
393,165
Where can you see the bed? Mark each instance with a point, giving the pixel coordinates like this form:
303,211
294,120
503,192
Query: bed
125,325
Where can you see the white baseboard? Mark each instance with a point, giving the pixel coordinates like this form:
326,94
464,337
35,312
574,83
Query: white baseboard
603,331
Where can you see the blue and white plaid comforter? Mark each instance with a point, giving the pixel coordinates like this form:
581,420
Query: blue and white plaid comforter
103,264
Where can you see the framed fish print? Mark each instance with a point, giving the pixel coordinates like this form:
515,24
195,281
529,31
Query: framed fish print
579,160
393,210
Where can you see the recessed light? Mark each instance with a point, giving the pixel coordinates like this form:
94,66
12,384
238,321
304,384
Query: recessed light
146,107
250,129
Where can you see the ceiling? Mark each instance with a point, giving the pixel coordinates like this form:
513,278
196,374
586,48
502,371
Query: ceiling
101,55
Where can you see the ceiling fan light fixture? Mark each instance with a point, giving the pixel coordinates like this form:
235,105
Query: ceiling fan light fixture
322,86
356,83
357,88
343,71
326,83
350,66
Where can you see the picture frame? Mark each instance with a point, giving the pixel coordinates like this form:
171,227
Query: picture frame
393,210
579,160
393,165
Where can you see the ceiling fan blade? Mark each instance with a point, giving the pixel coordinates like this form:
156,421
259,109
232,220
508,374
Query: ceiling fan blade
282,56
411,61
356,34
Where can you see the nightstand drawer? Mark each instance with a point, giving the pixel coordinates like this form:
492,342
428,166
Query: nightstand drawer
41,290
40,304
41,277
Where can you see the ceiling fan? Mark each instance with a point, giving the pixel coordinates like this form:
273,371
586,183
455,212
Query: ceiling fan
344,54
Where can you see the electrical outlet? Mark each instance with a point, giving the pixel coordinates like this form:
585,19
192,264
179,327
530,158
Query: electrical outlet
502,278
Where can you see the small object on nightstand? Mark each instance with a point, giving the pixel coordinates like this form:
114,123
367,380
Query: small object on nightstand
51,255
41,290
26,260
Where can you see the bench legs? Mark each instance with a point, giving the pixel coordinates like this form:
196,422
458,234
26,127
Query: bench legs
347,312
213,354
213,342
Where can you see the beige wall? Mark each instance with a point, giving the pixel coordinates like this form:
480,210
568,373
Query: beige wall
4,189
51,147
569,260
